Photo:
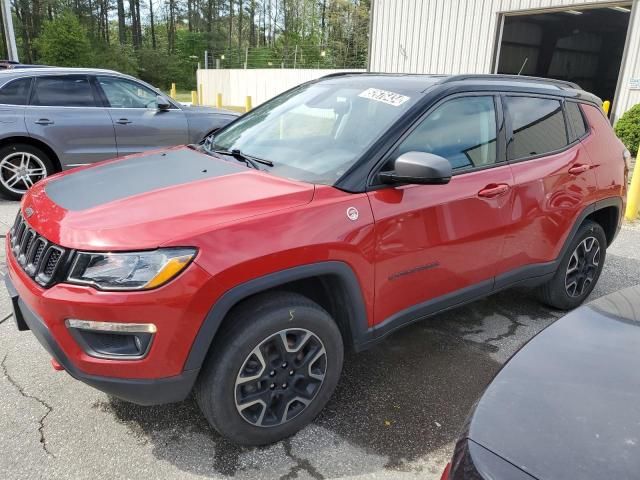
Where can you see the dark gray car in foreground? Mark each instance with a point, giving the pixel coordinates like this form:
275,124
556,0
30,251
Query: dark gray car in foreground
566,406
52,119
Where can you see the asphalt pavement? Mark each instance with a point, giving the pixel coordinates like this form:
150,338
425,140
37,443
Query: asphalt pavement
396,412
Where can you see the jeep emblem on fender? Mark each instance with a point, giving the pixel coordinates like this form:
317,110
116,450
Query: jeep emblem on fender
29,211
352,213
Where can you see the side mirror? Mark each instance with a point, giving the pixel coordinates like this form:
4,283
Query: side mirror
419,168
162,103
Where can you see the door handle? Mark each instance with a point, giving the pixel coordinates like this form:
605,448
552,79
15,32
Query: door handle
44,121
494,190
578,169
124,121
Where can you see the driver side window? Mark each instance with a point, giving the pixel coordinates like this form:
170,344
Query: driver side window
123,93
462,130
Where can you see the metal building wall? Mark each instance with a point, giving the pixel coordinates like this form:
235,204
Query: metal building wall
627,98
459,36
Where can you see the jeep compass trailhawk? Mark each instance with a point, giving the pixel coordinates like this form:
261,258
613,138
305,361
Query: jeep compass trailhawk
323,220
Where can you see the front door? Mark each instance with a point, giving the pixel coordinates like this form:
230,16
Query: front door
138,123
65,114
439,240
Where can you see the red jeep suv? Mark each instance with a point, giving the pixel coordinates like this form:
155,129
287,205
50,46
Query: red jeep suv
322,220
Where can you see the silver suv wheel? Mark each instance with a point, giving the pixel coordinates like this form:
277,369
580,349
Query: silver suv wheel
19,171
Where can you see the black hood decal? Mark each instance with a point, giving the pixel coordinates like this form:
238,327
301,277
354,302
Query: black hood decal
117,180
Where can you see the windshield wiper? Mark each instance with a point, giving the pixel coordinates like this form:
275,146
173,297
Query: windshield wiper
248,159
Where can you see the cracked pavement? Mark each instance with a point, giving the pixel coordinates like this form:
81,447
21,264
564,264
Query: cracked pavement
395,414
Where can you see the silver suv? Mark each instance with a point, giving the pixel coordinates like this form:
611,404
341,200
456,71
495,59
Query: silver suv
52,119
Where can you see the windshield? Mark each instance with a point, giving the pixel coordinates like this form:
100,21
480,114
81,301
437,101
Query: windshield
316,132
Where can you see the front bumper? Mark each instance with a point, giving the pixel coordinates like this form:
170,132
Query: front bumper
136,390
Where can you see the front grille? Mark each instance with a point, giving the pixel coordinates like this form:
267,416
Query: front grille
39,258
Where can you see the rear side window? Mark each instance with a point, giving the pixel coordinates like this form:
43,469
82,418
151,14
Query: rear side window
576,120
462,130
538,126
63,91
16,92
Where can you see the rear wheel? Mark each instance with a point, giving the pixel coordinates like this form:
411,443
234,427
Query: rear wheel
579,269
21,166
272,370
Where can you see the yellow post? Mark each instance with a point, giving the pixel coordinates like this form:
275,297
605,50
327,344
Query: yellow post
606,106
201,99
247,103
173,91
194,97
219,100
633,194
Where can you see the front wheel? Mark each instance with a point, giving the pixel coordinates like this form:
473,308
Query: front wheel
272,370
579,269
21,166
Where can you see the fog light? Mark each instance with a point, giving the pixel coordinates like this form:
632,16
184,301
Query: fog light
110,340
111,326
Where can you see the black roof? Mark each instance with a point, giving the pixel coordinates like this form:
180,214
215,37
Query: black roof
425,82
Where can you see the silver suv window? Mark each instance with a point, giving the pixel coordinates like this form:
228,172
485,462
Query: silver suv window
15,92
123,93
63,91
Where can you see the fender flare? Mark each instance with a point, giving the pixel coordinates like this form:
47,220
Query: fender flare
358,320
594,207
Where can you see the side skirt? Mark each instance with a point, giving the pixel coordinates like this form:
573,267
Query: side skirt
529,276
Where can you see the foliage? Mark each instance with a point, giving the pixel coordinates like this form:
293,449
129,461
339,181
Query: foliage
66,32
160,68
628,129
121,58
162,41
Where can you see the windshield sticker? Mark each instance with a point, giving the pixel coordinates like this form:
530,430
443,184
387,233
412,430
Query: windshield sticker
390,98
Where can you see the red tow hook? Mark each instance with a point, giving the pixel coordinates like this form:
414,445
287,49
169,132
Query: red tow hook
56,366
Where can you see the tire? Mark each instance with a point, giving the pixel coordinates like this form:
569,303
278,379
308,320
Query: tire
271,408
21,166
579,269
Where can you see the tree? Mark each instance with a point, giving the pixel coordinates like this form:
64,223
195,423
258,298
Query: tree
156,39
122,30
153,26
64,42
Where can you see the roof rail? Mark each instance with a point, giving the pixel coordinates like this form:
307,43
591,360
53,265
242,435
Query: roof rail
522,78
341,74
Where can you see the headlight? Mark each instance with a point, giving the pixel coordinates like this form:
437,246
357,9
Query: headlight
129,271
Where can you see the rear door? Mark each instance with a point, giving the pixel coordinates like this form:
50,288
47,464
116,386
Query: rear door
435,240
138,123
65,113
553,176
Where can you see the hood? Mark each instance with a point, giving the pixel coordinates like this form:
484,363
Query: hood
568,404
154,199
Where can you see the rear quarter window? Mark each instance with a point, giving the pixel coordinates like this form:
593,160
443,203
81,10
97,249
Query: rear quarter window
538,126
15,92
576,120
